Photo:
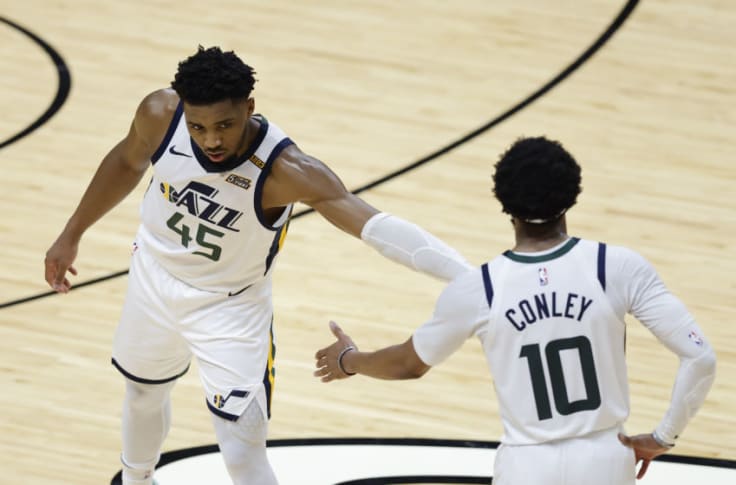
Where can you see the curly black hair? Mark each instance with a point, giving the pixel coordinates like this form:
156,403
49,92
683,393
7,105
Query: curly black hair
211,75
536,180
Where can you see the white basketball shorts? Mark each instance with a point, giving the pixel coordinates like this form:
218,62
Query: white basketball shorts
597,458
165,321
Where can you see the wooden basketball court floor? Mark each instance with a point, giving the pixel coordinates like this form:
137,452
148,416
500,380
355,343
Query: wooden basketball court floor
368,87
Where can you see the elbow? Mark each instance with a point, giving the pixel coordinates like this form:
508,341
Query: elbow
703,365
707,362
415,370
407,364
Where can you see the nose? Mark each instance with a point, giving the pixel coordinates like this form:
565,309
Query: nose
212,141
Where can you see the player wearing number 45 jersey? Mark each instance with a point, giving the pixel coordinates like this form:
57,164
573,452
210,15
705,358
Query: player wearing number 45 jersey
214,218
550,317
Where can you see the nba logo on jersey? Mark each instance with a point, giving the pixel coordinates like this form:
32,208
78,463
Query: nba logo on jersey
697,340
543,277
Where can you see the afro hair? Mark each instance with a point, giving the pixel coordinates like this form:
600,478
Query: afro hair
536,180
211,75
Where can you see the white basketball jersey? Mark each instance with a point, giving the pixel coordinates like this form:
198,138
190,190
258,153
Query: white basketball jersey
552,327
556,349
203,221
553,342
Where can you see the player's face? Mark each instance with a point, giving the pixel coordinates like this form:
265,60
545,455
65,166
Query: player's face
220,129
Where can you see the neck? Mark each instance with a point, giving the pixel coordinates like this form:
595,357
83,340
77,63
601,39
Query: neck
531,238
249,133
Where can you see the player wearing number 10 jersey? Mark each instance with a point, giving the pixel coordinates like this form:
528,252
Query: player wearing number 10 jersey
550,317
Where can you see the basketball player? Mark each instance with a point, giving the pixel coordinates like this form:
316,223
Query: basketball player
214,218
550,316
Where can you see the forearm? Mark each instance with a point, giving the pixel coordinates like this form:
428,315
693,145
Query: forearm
397,362
666,317
297,176
112,182
412,246
694,379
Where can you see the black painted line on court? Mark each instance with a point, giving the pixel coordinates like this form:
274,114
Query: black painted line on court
419,479
176,455
582,58
62,90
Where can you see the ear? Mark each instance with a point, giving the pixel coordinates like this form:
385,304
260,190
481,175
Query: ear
250,106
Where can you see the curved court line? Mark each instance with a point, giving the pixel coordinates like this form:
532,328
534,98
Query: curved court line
418,479
62,90
184,454
586,55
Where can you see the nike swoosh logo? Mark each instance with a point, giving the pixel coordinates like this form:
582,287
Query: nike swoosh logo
173,151
234,293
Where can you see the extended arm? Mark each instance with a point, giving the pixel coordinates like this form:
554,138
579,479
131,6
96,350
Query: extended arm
343,359
298,177
458,315
118,174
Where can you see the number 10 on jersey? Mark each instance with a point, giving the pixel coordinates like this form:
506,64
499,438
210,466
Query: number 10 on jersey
552,350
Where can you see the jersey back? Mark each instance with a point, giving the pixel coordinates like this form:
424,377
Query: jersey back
554,344
203,222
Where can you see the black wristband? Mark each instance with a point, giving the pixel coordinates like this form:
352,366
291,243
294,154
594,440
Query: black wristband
339,360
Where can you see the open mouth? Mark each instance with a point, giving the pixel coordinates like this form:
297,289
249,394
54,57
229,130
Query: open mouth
216,156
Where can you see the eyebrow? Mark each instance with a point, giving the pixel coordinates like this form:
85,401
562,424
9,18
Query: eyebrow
227,120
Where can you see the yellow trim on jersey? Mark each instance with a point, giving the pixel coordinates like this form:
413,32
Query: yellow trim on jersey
282,237
256,161
271,373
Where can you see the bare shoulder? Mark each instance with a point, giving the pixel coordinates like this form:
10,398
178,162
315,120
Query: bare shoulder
296,176
294,163
159,104
154,114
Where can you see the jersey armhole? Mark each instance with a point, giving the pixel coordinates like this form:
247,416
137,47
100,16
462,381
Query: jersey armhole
487,284
265,170
169,134
602,265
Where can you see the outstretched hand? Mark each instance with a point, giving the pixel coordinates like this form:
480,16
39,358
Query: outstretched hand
645,449
327,365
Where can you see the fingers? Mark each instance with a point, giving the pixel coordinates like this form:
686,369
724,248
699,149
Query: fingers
327,367
329,378
326,374
55,275
50,273
59,277
645,450
341,336
62,285
321,372
643,469
322,364
55,278
336,330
